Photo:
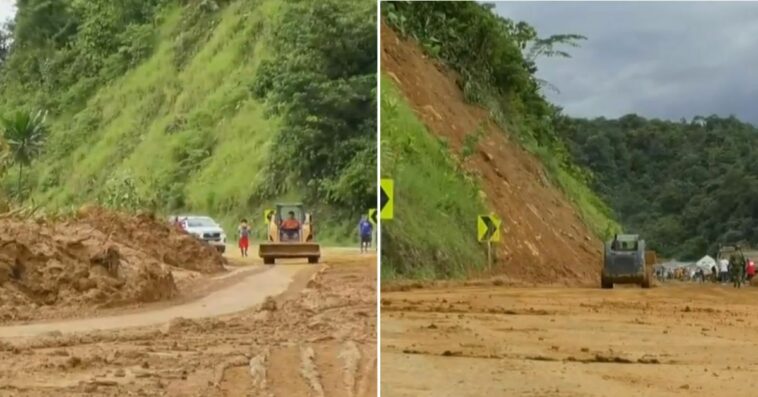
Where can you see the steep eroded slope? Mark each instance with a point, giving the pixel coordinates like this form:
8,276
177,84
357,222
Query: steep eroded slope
543,237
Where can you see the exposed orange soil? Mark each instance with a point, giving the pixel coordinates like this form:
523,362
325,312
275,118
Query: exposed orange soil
96,260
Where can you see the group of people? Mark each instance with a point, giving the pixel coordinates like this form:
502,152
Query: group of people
737,270
290,227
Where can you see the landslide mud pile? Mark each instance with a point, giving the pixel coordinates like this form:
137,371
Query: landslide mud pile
97,260
154,236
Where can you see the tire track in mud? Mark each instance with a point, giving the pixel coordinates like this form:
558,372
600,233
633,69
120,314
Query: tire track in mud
310,372
350,356
322,365
316,370
258,373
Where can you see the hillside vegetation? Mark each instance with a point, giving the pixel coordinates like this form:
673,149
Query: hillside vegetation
686,186
215,106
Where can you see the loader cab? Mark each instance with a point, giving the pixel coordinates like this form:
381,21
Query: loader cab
285,212
625,243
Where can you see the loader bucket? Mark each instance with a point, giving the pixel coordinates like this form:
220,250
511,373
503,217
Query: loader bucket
269,252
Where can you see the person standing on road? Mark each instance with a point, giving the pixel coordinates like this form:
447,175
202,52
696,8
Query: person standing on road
749,270
714,274
737,268
723,270
365,228
244,236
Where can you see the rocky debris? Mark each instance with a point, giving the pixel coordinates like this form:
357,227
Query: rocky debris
236,361
176,325
309,370
156,237
269,304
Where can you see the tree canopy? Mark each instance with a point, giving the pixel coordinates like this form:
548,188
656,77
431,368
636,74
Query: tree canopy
686,186
323,83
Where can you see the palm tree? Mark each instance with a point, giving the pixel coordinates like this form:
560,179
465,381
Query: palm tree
24,135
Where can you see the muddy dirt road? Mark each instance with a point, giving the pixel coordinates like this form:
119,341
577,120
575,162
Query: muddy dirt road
314,335
675,340
249,289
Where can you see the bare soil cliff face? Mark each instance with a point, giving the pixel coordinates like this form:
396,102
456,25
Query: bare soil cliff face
543,238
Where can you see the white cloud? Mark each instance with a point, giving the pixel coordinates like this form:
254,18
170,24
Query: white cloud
666,60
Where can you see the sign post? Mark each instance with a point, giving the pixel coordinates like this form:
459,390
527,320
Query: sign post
374,221
488,230
267,213
386,199
489,255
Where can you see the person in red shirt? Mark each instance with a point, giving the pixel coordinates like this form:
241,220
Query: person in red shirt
244,236
750,269
290,226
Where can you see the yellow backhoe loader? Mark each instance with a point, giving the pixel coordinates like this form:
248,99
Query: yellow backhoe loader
290,235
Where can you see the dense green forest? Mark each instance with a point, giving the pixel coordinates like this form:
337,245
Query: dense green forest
217,106
685,186
496,60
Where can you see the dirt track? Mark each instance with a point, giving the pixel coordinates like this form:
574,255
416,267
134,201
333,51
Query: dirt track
250,288
317,338
676,340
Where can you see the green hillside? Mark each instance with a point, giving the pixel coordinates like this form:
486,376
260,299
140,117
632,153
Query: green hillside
686,186
221,107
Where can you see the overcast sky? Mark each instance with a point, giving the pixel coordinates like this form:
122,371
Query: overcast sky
666,60
6,10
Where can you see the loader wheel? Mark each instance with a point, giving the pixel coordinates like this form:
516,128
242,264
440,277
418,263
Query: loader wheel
312,259
268,261
605,283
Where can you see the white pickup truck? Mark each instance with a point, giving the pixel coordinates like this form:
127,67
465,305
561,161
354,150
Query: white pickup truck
204,228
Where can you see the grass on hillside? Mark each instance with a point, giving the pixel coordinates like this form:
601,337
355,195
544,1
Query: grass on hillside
183,124
433,233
